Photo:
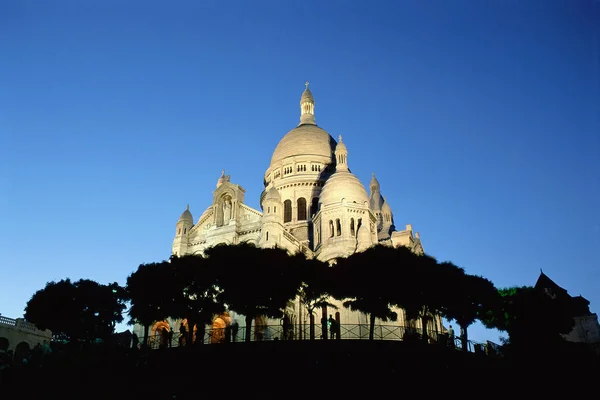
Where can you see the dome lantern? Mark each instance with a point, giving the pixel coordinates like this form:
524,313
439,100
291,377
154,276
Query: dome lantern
307,107
341,156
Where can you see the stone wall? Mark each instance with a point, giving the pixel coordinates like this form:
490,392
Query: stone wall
20,332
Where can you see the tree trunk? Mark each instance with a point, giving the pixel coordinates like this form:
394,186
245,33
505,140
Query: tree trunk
464,339
200,331
190,333
146,332
248,328
371,326
312,326
424,328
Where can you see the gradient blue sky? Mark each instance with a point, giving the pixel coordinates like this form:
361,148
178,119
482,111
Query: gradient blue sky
481,120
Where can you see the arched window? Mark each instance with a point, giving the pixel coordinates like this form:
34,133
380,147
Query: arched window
287,211
338,227
314,207
301,209
179,231
267,236
274,209
184,231
352,226
330,228
268,210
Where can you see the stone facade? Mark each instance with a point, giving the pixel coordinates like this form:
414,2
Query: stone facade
20,336
311,203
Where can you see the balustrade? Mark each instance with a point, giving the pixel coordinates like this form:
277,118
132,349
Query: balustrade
345,332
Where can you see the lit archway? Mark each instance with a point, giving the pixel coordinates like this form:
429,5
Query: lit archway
219,329
184,324
160,334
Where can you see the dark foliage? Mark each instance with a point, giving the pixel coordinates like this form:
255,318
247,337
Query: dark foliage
196,296
255,281
150,301
84,310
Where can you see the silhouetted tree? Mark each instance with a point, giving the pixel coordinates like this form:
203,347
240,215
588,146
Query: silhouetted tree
316,281
196,294
406,279
84,310
151,300
533,319
367,283
470,298
432,279
255,281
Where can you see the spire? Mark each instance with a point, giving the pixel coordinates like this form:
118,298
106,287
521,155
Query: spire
307,107
374,185
341,156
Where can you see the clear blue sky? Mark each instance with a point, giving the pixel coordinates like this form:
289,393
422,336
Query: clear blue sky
481,120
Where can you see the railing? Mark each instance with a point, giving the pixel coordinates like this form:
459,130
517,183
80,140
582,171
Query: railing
302,332
28,326
8,321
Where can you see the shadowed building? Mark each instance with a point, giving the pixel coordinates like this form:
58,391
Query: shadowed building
586,328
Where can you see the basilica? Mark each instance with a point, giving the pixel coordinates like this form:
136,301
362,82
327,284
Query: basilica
311,203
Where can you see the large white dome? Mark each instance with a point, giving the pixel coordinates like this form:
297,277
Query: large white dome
306,139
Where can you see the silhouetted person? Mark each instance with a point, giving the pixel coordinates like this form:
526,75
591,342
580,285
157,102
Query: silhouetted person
324,328
235,327
286,327
227,337
164,338
450,336
332,327
182,334
171,332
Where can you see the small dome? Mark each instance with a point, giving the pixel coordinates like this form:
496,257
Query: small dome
272,194
222,179
186,215
343,185
340,147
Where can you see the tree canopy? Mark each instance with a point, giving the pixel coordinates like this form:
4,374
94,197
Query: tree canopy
84,310
197,297
532,318
150,301
255,281
367,283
